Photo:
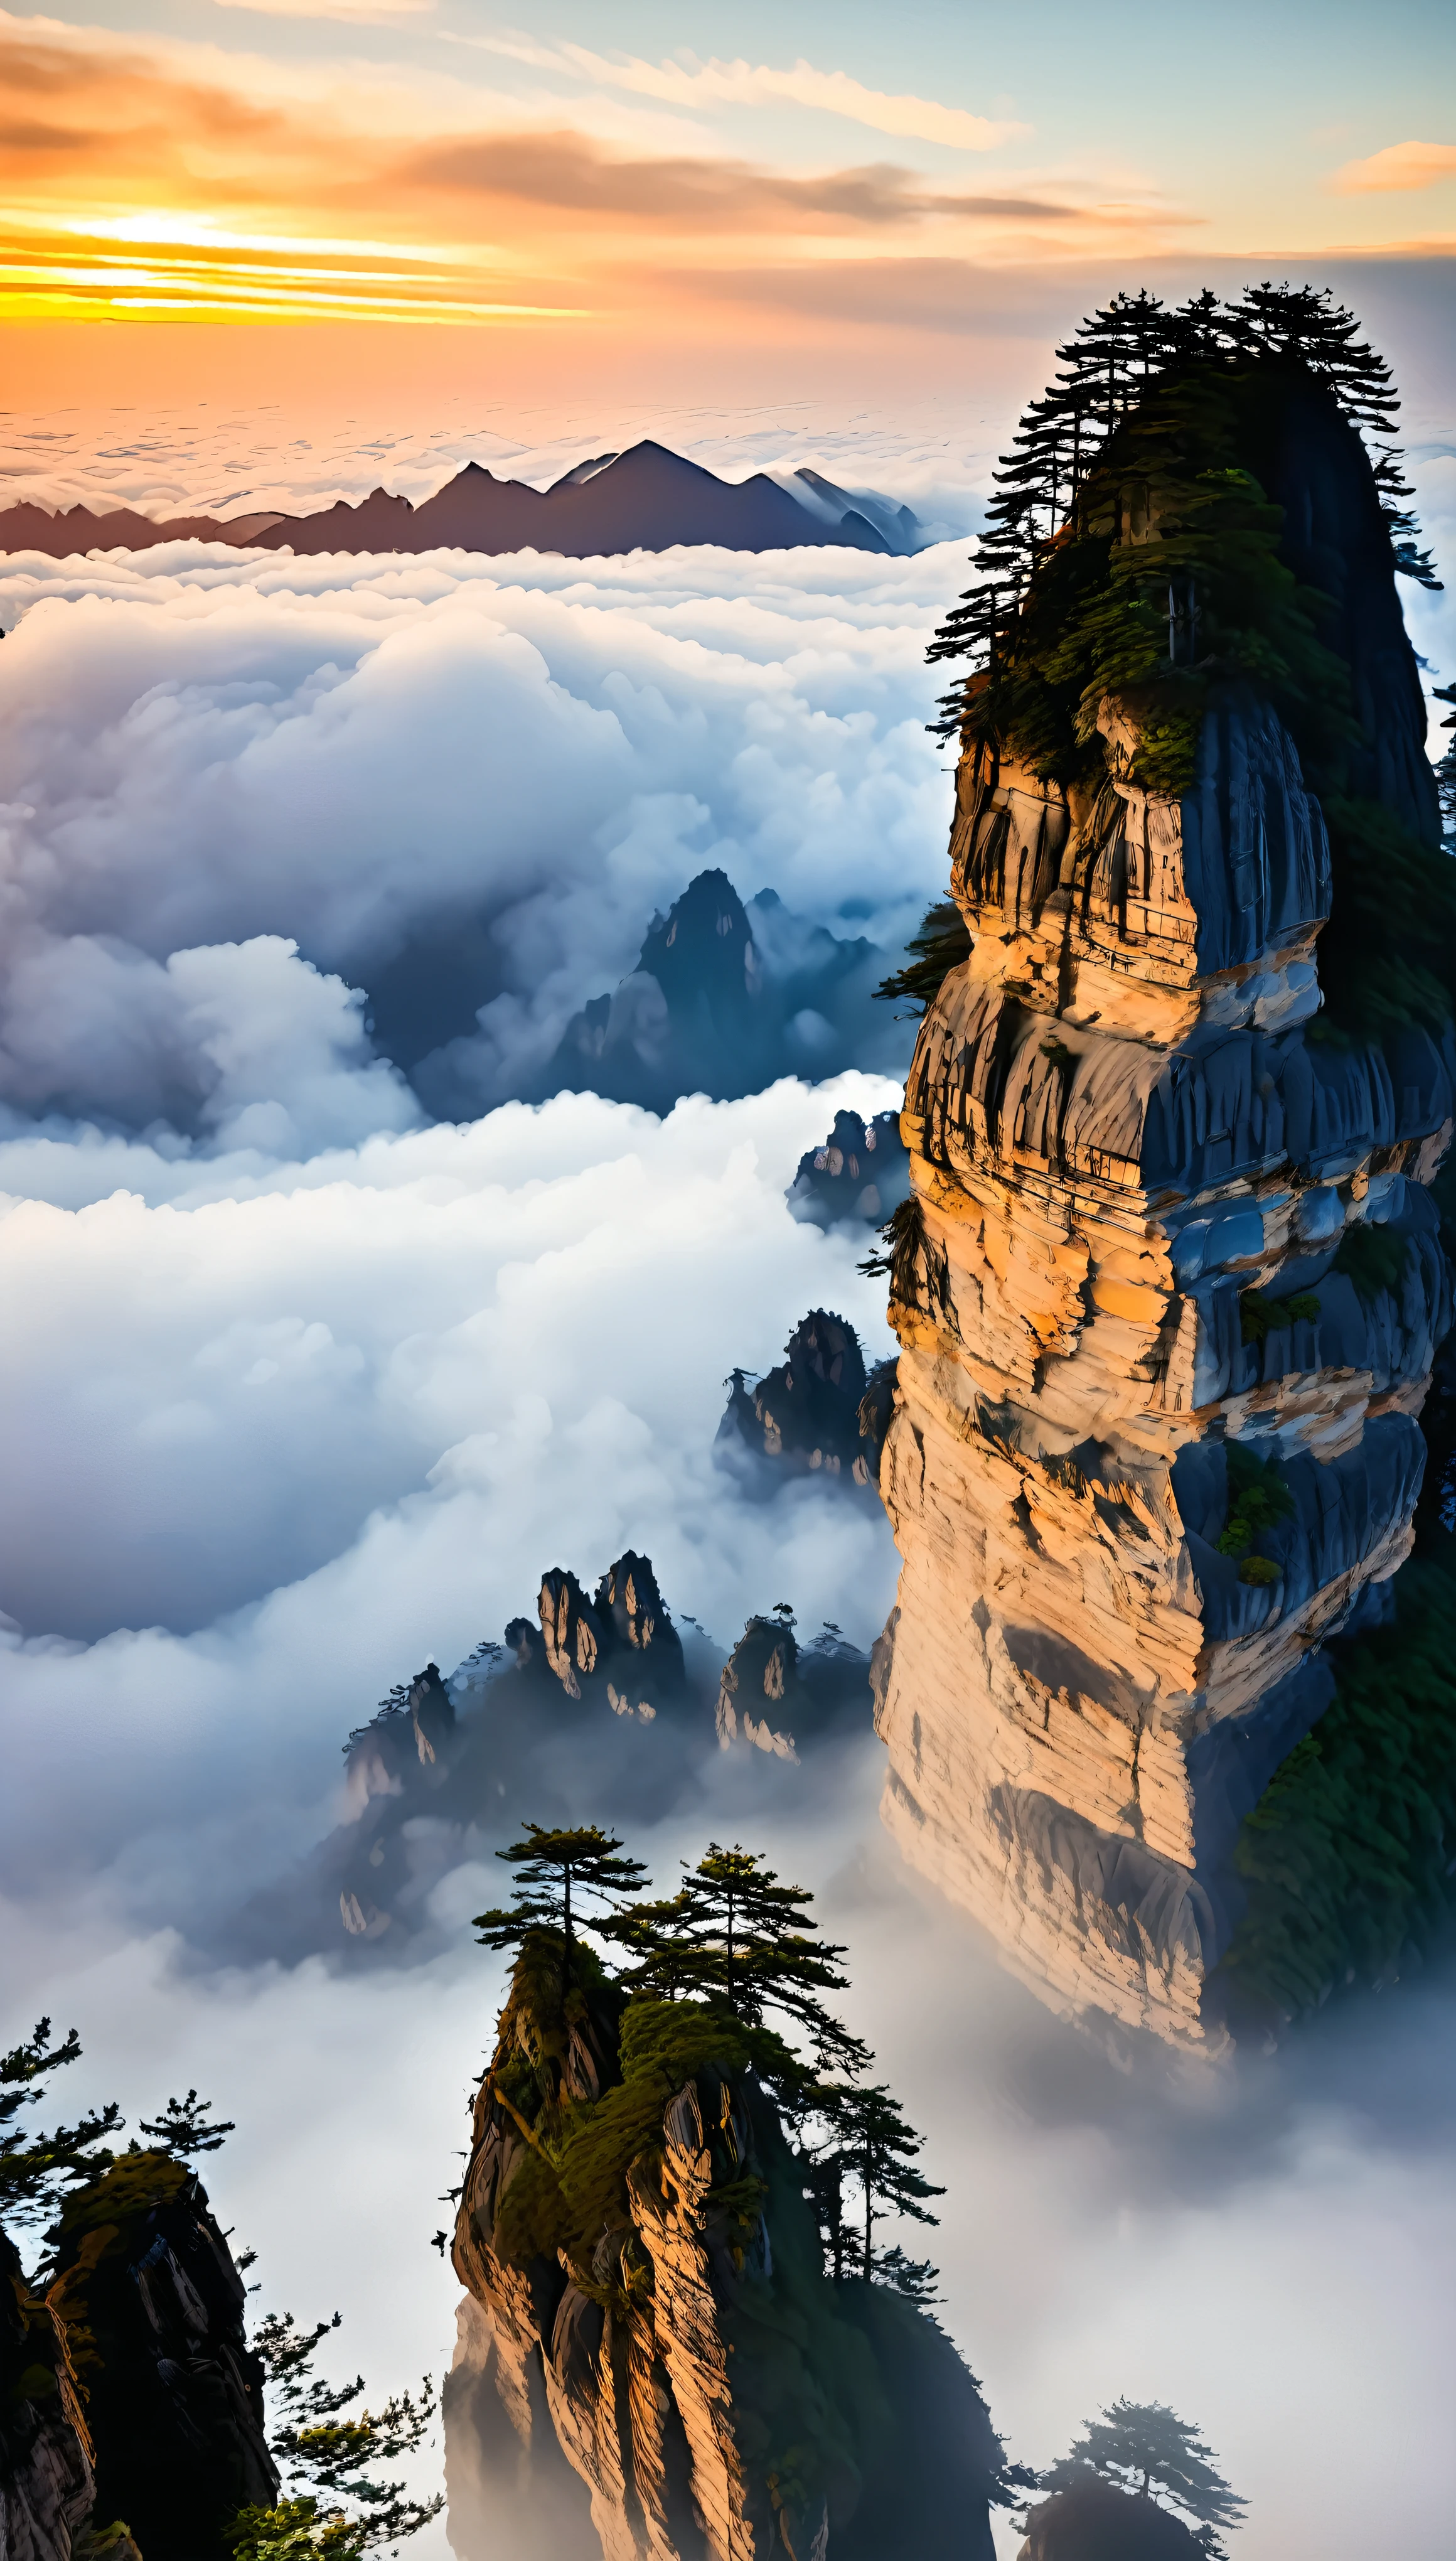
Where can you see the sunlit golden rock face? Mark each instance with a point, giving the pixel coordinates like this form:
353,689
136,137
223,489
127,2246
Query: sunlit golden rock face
1153,1221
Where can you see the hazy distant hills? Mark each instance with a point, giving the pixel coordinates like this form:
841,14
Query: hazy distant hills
646,500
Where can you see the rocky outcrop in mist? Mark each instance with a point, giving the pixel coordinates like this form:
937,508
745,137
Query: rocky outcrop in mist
598,1699
654,2362
1170,1282
1094,2521
724,999
820,1413
859,1176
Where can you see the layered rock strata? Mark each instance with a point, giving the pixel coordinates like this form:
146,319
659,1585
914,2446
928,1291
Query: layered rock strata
1158,1237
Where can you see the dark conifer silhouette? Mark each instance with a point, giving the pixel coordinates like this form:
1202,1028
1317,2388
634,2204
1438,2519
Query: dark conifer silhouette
550,1864
868,2141
1102,372
940,945
1144,2447
327,2457
186,2127
1446,770
37,2171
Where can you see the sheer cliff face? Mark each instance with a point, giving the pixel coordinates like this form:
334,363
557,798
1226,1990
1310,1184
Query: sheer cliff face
1158,1235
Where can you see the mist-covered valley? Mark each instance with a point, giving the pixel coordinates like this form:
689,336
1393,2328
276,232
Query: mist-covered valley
381,1234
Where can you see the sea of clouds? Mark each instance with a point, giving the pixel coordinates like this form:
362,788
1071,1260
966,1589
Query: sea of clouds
305,1390
236,791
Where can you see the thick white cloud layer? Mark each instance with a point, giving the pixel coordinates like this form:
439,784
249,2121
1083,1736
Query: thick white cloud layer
202,750
302,1392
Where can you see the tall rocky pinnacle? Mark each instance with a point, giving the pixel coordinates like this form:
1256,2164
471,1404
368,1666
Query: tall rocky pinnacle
1169,1285
653,2363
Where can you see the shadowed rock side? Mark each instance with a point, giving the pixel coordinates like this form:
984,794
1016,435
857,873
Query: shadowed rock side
646,500
597,1708
724,999
818,1413
46,2485
130,2392
861,1173
153,2308
651,2314
1168,1291
1095,2522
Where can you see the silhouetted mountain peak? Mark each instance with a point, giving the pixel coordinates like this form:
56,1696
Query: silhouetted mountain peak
645,499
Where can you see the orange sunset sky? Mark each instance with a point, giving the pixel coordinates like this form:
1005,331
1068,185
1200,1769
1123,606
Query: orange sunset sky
316,199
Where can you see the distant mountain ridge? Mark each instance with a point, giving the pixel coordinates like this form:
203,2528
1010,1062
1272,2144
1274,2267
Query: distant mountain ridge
646,500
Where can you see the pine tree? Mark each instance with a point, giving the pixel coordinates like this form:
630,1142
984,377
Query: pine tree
184,2127
940,945
37,2171
327,2458
1103,371
1446,770
1146,2448
734,1935
869,2140
548,1864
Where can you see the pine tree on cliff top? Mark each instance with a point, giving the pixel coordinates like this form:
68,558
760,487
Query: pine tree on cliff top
1146,2448
736,1935
1105,368
550,1865
187,2126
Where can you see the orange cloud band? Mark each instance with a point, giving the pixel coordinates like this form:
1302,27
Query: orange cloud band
145,184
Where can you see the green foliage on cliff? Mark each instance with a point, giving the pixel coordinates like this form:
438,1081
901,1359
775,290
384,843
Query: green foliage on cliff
1348,1856
1259,1315
40,2168
1165,583
941,941
735,1934
1372,1258
572,2184
1134,552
